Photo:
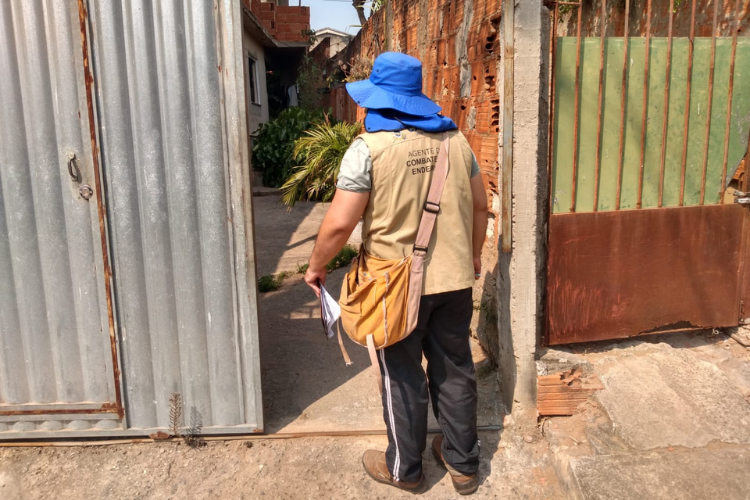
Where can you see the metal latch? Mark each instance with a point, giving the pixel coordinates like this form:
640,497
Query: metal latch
741,197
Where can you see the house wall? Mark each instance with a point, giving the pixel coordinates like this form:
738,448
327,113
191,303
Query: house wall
256,113
284,23
336,42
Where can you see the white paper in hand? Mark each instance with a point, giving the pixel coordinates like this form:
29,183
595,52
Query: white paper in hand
330,312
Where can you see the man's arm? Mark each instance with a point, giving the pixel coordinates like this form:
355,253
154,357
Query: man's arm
480,222
345,211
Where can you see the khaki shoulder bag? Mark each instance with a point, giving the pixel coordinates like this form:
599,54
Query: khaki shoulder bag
380,298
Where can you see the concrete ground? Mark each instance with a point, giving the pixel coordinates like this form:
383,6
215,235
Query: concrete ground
301,468
284,238
672,419
306,385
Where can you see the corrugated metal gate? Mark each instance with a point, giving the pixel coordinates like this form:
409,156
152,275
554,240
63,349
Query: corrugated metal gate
649,132
155,86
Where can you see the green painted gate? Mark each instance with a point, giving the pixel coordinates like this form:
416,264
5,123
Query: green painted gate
648,146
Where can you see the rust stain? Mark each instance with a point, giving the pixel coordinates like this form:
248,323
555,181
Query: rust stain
89,79
636,272
105,408
682,18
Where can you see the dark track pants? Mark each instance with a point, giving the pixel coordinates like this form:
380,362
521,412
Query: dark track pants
442,333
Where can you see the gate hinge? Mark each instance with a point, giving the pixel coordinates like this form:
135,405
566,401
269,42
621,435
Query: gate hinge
741,197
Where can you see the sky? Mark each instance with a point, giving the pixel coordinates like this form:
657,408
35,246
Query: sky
336,14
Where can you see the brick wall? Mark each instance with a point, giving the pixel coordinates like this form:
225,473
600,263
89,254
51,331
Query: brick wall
291,22
458,45
285,24
268,17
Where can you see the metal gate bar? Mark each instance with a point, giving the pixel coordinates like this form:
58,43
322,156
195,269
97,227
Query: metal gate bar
686,126
622,105
710,102
646,72
661,152
729,100
667,80
101,209
598,161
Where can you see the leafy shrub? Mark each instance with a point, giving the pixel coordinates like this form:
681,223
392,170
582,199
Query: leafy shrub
343,258
273,152
311,84
320,151
271,282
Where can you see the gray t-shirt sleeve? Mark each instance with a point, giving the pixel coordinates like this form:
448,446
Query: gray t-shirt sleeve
474,165
355,173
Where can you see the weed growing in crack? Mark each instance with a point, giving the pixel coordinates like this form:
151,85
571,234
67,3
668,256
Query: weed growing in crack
191,435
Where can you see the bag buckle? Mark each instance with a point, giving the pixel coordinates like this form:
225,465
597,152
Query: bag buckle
418,248
431,207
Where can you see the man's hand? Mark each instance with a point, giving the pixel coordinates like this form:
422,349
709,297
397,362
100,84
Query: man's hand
477,268
342,216
315,278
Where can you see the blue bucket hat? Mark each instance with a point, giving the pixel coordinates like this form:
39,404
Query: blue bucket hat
395,83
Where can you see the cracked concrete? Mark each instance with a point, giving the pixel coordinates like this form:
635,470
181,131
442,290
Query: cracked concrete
671,421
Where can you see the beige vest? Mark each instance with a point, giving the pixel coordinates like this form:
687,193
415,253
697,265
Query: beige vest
402,165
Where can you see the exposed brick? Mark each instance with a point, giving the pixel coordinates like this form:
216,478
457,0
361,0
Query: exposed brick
441,75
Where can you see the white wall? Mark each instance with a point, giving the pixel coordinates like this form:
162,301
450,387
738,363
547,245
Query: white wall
257,113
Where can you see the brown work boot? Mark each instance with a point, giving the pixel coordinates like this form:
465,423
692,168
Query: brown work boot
376,467
464,484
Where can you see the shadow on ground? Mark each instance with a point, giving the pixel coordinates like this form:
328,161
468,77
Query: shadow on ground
306,385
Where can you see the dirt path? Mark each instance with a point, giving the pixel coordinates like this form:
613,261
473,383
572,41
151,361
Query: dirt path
309,468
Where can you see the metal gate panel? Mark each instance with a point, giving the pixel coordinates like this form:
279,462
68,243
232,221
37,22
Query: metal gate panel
588,146
648,131
56,358
175,161
616,275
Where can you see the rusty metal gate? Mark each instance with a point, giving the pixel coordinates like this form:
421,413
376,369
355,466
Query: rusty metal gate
127,267
650,126
57,342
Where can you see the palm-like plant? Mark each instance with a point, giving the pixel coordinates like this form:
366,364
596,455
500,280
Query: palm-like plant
321,149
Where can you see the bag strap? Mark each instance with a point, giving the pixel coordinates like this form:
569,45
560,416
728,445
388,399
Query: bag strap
432,205
344,352
375,365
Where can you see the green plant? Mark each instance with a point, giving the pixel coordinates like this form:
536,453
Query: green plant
311,38
268,284
360,70
343,258
272,282
320,151
310,84
273,152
